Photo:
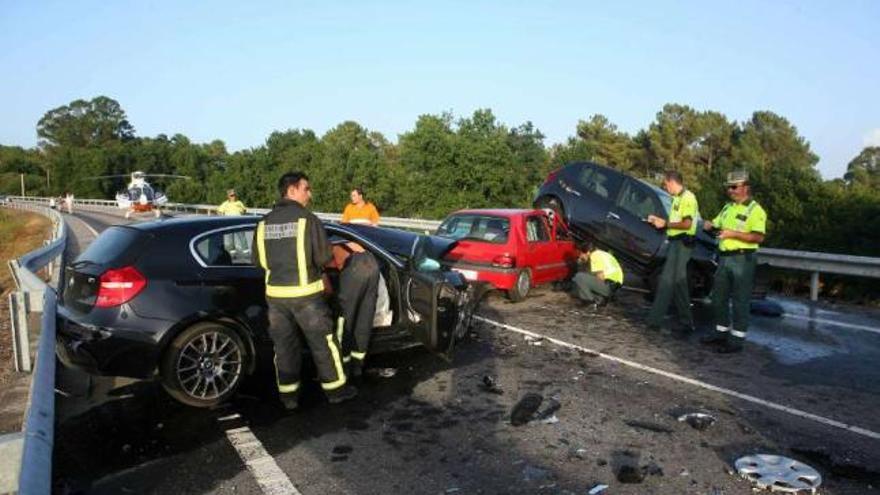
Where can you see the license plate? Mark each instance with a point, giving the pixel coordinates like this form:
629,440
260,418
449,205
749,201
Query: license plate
467,274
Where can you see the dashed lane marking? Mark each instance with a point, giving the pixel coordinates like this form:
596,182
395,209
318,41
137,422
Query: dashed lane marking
691,381
262,466
843,324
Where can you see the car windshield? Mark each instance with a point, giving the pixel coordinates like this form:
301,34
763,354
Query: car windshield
484,228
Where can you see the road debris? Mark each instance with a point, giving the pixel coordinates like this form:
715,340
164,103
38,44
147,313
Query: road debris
647,425
597,489
382,372
490,386
697,420
778,473
551,420
525,409
548,412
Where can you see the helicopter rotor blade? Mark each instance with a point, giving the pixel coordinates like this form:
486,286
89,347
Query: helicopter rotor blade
169,176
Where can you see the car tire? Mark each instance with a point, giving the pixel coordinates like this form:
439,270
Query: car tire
521,287
204,365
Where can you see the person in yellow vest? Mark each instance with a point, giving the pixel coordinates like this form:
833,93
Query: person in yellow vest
232,206
360,210
741,226
599,275
681,229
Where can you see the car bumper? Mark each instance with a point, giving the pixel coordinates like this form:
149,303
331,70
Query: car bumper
500,278
103,351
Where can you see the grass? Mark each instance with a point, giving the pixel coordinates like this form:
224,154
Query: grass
20,232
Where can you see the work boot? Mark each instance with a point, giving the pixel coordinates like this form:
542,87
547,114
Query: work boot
730,346
716,338
341,395
290,401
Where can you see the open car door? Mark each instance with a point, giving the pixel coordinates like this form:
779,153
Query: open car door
438,303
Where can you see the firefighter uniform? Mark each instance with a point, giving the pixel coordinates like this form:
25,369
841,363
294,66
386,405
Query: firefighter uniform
358,289
590,288
673,283
291,246
735,275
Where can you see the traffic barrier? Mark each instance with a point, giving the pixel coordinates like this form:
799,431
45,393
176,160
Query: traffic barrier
33,472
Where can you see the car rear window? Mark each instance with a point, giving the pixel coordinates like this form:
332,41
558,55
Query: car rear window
484,228
114,245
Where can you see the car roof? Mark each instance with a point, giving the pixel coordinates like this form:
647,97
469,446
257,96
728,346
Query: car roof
497,212
198,222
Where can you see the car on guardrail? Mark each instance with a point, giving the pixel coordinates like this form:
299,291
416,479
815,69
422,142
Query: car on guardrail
510,249
180,299
609,207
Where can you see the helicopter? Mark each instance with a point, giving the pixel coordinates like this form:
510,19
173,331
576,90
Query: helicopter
139,196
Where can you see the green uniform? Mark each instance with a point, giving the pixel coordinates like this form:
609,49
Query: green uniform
673,283
589,287
736,267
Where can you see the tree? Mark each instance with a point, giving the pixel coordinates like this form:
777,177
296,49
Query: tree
864,169
607,145
85,123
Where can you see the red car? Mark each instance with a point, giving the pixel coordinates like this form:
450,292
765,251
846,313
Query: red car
513,250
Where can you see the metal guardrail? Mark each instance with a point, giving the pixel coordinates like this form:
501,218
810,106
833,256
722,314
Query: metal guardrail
813,262
35,467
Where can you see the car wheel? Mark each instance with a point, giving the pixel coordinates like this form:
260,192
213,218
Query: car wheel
204,365
521,288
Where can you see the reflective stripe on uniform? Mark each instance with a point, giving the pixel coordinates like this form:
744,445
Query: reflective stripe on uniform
337,363
261,245
358,355
293,291
721,328
737,333
301,265
286,388
340,327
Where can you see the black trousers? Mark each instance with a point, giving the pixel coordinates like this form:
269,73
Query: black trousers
296,319
358,289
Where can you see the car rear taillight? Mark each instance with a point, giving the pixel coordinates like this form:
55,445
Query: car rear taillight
118,286
504,261
552,175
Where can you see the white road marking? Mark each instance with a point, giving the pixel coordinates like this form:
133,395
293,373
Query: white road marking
833,322
92,230
691,381
269,476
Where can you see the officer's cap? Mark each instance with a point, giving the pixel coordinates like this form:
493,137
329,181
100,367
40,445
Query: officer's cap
736,177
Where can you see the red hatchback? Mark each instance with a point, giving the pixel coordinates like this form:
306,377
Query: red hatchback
513,250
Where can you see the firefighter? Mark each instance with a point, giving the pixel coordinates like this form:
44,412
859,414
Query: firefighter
741,226
358,290
599,275
290,244
680,231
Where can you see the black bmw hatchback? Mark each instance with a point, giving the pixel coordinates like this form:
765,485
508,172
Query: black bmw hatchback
180,300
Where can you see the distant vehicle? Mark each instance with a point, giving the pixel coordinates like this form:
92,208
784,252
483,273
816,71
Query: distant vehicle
181,300
610,207
513,250
139,196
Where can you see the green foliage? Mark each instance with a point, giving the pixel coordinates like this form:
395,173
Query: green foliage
446,163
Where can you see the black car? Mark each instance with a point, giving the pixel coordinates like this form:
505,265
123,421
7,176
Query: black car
610,208
181,299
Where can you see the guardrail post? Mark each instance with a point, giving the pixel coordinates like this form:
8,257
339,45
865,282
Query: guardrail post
814,286
21,348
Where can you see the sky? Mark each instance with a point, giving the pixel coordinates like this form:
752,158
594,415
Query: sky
237,71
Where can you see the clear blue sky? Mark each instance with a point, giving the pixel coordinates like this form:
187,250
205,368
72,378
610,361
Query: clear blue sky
238,70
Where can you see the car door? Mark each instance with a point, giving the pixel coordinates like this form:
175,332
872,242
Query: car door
229,276
540,256
596,188
629,235
437,303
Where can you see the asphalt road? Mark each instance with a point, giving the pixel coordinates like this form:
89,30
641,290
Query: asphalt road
433,428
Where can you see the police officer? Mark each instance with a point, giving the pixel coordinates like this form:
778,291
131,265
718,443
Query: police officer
358,289
680,231
599,275
291,246
740,226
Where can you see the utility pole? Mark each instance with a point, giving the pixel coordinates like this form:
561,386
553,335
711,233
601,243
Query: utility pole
22,183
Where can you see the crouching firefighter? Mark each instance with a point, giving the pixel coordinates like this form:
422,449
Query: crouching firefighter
291,246
358,291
